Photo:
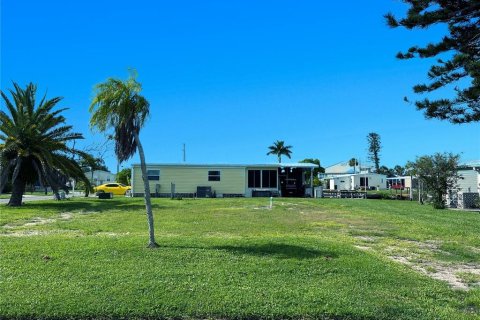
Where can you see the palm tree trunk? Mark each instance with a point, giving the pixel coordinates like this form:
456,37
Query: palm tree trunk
148,201
18,189
4,170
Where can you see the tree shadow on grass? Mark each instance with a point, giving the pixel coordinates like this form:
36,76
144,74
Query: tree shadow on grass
279,250
275,250
89,205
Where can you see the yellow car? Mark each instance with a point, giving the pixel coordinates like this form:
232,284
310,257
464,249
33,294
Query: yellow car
115,188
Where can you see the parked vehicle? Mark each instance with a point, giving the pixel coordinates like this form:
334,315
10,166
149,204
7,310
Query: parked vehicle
115,188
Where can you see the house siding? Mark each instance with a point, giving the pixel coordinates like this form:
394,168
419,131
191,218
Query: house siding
187,179
351,182
469,181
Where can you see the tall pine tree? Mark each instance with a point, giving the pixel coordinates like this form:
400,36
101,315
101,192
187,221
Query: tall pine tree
461,46
374,146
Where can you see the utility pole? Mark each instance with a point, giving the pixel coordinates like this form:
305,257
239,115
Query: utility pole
184,153
411,188
420,191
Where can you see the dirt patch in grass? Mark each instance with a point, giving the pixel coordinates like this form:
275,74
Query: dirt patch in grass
262,208
452,274
364,248
25,233
32,233
27,228
66,216
38,221
366,238
112,234
420,256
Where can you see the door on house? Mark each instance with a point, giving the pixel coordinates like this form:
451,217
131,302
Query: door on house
364,182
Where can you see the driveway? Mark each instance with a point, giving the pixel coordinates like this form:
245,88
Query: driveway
28,197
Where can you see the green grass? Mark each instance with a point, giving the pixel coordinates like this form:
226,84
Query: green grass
233,258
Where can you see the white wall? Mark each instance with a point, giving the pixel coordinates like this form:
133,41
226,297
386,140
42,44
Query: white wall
352,182
342,183
469,181
100,177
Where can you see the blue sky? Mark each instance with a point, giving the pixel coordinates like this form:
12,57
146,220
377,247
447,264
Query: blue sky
227,78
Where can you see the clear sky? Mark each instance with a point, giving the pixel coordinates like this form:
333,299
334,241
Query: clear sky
227,78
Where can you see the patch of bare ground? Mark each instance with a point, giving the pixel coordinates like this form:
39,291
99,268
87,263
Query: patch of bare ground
262,208
366,238
24,233
66,216
31,233
419,255
23,229
364,248
112,234
38,221
450,273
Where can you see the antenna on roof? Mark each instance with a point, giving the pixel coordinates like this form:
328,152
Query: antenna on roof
184,155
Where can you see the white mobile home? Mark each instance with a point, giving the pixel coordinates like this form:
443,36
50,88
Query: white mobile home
344,168
469,180
358,181
98,177
224,180
466,194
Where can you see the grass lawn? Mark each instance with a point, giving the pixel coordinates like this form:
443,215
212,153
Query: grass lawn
234,258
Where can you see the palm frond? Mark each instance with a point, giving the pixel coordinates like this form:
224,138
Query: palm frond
118,105
35,140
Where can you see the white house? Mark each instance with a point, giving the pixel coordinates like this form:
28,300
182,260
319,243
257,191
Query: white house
358,181
98,177
467,191
343,168
340,169
469,180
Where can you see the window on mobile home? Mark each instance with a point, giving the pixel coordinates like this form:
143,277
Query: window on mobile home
269,178
153,175
254,178
213,175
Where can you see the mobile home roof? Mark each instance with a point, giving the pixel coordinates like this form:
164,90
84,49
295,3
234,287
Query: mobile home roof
223,165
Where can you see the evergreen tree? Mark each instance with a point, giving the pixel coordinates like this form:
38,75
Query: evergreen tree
386,171
316,171
124,176
437,174
374,147
462,46
399,170
91,163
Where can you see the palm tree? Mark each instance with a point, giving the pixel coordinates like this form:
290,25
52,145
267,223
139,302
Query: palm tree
279,148
34,144
118,105
353,163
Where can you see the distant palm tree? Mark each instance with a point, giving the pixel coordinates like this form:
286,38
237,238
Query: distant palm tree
118,105
279,148
353,163
34,144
